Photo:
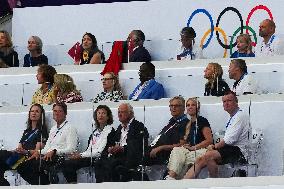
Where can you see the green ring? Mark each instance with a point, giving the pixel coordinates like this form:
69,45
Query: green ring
236,32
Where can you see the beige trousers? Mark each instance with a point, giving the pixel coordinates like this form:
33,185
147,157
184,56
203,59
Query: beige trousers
181,159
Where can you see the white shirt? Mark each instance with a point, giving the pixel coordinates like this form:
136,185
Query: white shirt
238,132
246,84
196,53
272,48
124,132
64,139
98,142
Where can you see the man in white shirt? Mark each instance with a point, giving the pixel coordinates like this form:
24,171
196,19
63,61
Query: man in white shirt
230,149
244,83
271,44
62,140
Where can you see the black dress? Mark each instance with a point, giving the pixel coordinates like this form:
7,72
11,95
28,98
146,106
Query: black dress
35,61
29,139
220,91
11,59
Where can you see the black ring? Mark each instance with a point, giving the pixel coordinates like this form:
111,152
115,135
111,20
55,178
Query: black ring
217,24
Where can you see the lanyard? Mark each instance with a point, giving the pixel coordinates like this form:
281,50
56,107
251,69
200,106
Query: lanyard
238,82
268,44
227,125
31,135
58,130
176,123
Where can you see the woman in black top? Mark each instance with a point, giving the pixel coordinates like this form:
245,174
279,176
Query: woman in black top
215,85
35,56
7,53
90,53
31,140
197,137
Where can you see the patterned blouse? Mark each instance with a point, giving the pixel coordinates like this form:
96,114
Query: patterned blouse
70,97
44,98
111,96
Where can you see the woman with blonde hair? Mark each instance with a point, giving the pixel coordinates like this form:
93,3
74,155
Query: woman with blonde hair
197,137
111,86
215,85
244,47
7,53
65,89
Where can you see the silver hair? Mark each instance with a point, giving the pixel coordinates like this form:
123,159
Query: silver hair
38,43
130,108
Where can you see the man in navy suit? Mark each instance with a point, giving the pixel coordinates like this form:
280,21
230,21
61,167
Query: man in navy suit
125,156
149,88
137,53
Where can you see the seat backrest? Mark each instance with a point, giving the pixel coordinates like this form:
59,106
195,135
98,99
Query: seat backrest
255,146
253,149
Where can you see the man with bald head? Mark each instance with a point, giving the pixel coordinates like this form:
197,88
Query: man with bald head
270,45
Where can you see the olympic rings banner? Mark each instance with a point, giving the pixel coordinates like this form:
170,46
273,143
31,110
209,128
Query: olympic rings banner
239,30
216,22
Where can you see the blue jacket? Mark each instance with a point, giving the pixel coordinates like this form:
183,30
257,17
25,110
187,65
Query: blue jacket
153,90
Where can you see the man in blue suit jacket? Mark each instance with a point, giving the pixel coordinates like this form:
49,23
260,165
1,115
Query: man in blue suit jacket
148,88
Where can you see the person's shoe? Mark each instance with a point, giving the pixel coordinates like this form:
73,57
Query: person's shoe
168,177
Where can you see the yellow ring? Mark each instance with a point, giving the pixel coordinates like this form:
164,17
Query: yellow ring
223,34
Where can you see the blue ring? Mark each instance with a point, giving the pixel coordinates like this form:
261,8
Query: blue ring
211,22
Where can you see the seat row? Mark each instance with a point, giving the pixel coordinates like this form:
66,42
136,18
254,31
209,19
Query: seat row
265,111
178,78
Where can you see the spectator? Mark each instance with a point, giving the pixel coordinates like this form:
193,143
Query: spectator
112,90
45,77
232,148
35,56
198,136
137,53
99,141
127,153
172,135
149,88
189,50
244,83
90,53
30,142
7,53
215,85
244,47
271,44
65,89
62,140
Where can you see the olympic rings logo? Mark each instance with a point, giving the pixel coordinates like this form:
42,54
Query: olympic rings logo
217,29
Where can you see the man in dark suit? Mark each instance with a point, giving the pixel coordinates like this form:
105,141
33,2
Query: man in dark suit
171,135
127,154
137,53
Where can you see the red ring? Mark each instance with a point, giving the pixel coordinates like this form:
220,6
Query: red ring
263,7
